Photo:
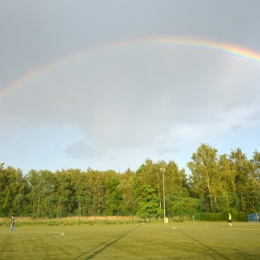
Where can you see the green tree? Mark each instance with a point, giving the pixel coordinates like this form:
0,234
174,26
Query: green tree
241,166
114,198
180,203
12,187
256,167
147,202
227,175
80,190
149,174
97,191
41,185
63,193
126,187
205,175
245,179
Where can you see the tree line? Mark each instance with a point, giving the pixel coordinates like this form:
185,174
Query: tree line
216,183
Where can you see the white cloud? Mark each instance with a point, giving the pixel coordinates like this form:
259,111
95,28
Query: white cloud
80,150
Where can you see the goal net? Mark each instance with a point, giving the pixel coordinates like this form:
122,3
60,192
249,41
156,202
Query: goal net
254,217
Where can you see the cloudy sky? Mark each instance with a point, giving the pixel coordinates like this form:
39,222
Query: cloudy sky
108,84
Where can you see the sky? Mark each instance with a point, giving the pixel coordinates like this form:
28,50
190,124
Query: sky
108,84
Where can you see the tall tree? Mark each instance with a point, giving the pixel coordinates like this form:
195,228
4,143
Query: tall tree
80,190
256,165
114,198
242,168
150,174
12,187
227,174
63,193
179,202
204,169
244,171
97,191
126,188
41,184
147,202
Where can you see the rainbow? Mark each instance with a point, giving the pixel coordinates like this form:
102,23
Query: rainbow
203,44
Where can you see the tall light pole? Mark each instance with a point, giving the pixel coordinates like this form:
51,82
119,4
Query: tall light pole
164,220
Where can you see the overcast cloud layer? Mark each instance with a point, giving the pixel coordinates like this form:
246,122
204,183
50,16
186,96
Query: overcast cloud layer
117,100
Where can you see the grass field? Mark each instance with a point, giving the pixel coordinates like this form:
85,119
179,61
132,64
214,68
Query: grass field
187,240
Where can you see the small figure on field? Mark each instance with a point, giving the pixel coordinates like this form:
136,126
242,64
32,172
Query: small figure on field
229,219
12,224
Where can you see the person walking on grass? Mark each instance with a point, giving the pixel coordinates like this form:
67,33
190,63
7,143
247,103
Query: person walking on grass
229,219
12,224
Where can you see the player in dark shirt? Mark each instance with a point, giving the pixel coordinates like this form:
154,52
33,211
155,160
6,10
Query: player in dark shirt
12,224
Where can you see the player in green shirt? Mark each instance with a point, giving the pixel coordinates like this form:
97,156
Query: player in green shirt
229,219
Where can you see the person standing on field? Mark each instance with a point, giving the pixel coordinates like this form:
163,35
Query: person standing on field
12,224
229,219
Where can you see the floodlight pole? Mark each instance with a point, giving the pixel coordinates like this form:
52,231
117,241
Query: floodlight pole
164,220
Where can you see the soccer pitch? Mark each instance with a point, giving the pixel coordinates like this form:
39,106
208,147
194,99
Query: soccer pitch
187,240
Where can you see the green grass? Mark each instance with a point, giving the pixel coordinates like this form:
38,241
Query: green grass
187,240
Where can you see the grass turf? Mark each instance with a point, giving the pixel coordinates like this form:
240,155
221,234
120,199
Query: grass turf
188,240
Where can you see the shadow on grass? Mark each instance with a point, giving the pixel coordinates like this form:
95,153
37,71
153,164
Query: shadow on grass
105,245
194,239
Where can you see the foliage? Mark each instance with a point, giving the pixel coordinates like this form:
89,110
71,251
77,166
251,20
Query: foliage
216,184
114,197
147,202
